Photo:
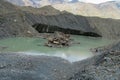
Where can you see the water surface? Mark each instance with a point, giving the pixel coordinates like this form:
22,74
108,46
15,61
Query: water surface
35,46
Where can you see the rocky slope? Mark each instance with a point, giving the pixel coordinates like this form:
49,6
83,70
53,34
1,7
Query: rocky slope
67,22
15,66
46,10
21,21
105,67
12,22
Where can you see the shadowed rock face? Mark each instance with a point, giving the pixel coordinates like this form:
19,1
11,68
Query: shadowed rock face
43,28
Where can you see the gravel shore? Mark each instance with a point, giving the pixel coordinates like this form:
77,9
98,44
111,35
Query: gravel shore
19,66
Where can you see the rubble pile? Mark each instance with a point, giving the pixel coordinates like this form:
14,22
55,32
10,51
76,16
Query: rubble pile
58,39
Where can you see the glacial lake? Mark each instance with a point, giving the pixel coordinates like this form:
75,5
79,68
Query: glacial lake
35,46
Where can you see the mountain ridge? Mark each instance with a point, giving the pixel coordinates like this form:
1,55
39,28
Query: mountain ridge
110,9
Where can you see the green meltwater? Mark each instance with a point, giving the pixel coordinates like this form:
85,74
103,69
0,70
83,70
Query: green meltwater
35,46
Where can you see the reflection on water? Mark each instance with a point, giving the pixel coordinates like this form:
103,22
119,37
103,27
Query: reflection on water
34,46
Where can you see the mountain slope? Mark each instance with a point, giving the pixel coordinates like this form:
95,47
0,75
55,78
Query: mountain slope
21,22
108,28
12,21
22,2
46,10
104,10
109,9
